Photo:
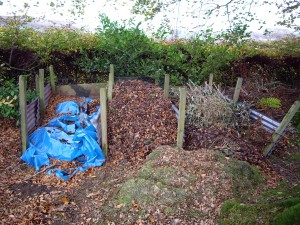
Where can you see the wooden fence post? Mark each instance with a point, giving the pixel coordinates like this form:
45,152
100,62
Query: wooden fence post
22,105
211,77
110,82
37,88
103,117
52,79
237,90
167,86
111,69
42,92
279,131
181,117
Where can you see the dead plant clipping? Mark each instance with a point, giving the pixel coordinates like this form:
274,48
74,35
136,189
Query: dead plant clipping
207,106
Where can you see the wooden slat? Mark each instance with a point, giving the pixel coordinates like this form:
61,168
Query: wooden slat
237,90
52,79
281,128
167,86
42,91
103,118
111,80
181,117
22,105
211,78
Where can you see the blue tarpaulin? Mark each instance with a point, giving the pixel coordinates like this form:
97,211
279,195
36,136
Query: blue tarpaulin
71,136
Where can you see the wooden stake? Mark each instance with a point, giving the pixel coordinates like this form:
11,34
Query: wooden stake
112,69
52,79
282,126
103,117
181,117
23,103
211,77
37,88
167,86
237,90
110,82
42,92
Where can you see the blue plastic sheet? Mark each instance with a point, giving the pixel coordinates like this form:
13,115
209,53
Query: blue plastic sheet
72,136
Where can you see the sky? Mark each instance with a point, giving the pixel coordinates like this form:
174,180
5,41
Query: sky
178,15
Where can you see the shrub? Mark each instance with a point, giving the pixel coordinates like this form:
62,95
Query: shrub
126,46
9,99
270,102
9,106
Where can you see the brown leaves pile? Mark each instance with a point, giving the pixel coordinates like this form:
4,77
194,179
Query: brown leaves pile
50,113
28,197
139,120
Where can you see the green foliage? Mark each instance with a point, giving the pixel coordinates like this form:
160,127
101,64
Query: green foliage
288,46
278,206
128,48
270,102
16,35
289,216
239,213
76,54
135,54
9,99
224,49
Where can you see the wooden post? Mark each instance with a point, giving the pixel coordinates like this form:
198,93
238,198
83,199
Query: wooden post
110,82
237,90
167,86
282,126
42,92
103,117
37,88
52,79
23,103
111,69
211,77
181,117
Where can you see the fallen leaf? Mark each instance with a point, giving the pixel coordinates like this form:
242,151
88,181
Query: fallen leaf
65,200
120,206
151,219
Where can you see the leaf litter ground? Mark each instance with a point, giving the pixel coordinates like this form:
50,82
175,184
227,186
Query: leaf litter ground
140,120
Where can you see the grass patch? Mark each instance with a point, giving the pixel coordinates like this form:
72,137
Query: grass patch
246,179
238,213
279,206
290,215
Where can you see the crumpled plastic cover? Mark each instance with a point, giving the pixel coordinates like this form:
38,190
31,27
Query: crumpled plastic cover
69,137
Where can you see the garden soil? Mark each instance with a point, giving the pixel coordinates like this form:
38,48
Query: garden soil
157,185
